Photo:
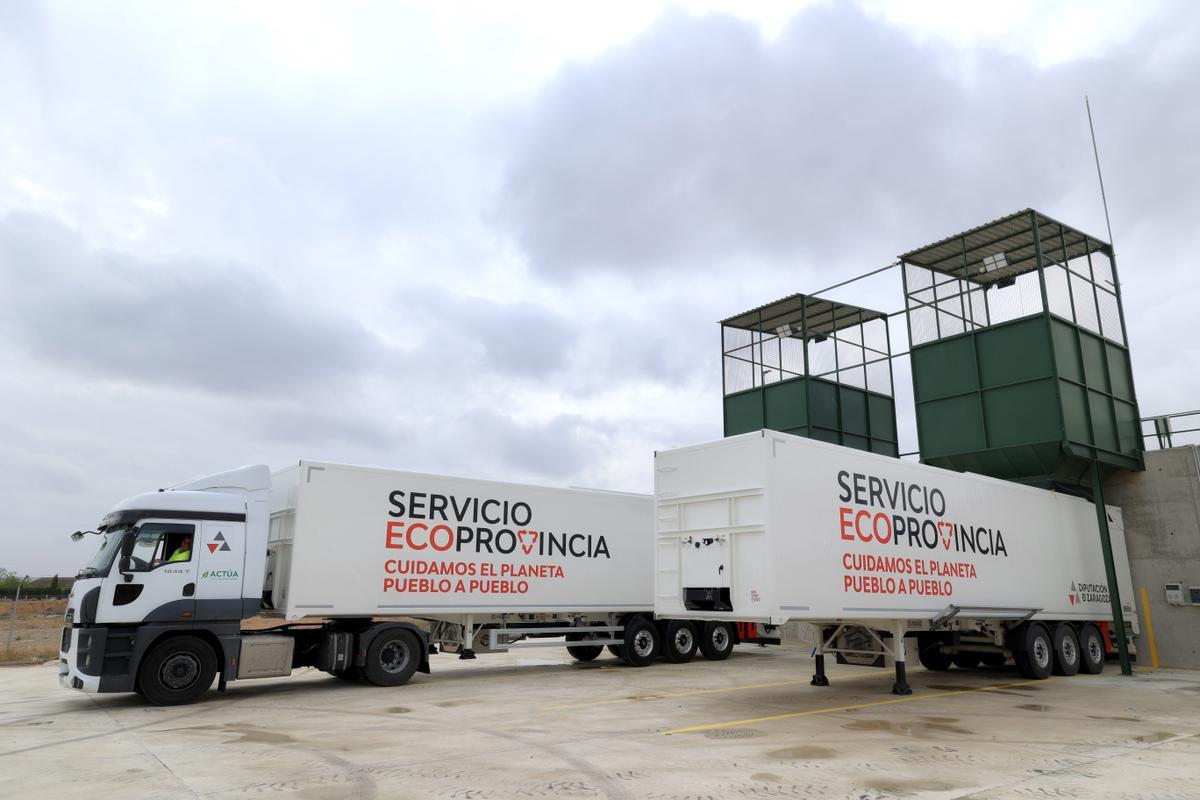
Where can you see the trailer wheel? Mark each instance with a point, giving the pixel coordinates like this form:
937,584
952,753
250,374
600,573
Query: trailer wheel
616,650
641,642
965,659
583,652
1066,650
929,653
993,659
1091,650
716,641
1035,653
392,658
177,671
680,641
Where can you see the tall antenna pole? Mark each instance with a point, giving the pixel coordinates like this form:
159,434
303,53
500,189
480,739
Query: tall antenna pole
1099,174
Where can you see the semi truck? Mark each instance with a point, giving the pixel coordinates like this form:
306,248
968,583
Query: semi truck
880,558
366,573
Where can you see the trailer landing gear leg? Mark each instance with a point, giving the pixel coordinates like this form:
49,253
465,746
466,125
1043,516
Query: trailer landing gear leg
818,678
901,686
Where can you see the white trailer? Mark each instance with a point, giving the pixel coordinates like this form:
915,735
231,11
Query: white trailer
369,572
876,552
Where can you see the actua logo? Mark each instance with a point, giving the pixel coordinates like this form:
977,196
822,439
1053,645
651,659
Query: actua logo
220,574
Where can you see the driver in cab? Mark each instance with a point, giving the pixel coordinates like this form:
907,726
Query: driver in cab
183,552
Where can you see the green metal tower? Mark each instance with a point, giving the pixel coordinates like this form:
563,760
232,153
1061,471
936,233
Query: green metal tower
1020,359
810,367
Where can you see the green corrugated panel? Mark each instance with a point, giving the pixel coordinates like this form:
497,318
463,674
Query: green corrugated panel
1095,366
785,405
1118,370
1066,351
1129,435
945,368
1104,423
854,414
882,413
1023,413
823,403
743,412
953,425
1075,412
1013,353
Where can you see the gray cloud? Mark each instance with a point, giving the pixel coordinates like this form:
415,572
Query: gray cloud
842,139
211,326
466,334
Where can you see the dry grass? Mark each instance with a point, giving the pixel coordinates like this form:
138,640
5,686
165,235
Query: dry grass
37,632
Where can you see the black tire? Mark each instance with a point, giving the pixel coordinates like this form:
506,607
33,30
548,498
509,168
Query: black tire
965,659
617,650
1066,650
583,652
177,671
1034,651
929,653
716,641
1091,650
993,660
392,658
642,642
680,641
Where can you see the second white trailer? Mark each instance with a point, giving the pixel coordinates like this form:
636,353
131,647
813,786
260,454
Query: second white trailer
772,528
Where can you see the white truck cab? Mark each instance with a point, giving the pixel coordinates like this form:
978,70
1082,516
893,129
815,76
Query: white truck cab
186,562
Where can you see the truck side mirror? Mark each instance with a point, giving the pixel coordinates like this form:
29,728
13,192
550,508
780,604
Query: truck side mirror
124,566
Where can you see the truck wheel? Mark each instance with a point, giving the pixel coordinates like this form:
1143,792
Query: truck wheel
1091,650
993,659
1066,650
929,653
641,642
177,671
716,641
616,650
965,659
1035,652
679,641
392,658
583,652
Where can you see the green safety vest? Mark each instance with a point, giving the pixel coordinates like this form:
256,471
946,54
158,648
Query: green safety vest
181,555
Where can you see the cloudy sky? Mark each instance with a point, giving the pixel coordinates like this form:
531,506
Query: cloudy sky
495,242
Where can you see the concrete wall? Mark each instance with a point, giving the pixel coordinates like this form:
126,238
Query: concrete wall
1161,507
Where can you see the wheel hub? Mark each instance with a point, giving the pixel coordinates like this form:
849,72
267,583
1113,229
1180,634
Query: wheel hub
683,640
393,657
720,638
1041,653
643,644
180,671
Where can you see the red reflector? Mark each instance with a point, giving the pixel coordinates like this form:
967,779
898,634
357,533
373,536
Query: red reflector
185,614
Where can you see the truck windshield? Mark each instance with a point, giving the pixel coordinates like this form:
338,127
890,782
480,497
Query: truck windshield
102,561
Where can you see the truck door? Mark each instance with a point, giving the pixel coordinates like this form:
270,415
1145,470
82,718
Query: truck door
222,552
160,583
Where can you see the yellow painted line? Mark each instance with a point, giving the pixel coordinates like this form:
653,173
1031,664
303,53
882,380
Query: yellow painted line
857,706
669,695
1149,629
